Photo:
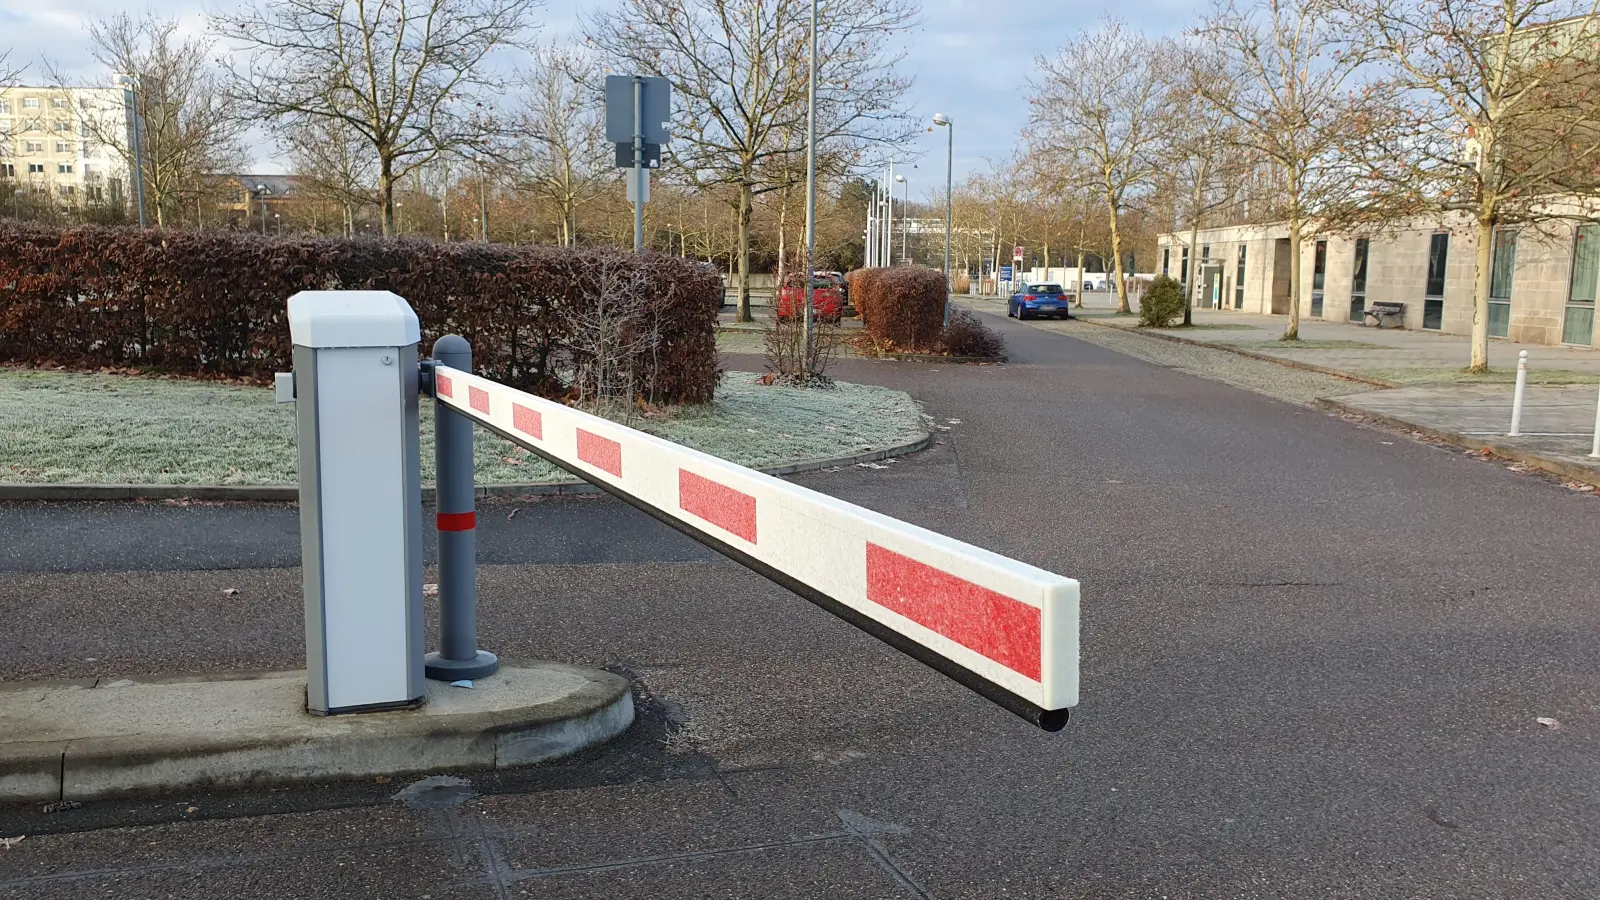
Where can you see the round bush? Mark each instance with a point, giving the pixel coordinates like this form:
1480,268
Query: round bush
1162,303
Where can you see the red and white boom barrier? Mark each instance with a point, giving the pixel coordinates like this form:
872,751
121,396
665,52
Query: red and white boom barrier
1003,628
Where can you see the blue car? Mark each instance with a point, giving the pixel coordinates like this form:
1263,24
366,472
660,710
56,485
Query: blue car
1040,299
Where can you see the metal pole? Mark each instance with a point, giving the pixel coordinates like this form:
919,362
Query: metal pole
1516,401
483,208
132,98
638,164
459,657
806,324
905,221
263,197
949,209
888,232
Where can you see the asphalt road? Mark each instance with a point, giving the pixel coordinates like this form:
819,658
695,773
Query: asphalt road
1313,659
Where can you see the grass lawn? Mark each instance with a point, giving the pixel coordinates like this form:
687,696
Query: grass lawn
1507,375
68,427
1311,345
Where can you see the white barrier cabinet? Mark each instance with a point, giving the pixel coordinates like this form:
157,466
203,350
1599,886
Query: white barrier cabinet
355,389
1005,629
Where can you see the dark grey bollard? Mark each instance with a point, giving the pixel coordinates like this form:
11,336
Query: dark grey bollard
459,657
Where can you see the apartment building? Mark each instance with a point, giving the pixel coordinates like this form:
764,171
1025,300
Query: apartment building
53,144
1542,278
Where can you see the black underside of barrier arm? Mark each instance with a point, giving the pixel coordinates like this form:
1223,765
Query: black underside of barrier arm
1047,719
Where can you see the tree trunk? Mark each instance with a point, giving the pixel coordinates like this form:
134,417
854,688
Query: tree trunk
1480,295
1116,263
1078,293
386,195
1292,333
1194,272
743,311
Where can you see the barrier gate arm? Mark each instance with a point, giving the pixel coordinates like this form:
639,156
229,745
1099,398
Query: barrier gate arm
1002,628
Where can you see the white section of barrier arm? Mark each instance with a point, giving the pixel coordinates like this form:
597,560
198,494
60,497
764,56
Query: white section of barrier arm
1010,623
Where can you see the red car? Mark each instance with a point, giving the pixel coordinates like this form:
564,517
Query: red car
827,299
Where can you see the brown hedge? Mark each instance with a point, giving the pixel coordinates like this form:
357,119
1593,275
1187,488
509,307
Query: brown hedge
901,305
214,303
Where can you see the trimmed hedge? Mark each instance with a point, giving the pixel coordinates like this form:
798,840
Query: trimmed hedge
214,303
901,305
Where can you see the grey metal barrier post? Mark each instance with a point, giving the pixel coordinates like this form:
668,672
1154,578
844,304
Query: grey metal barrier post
458,658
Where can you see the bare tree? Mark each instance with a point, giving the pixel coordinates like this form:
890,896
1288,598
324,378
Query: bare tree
1495,115
739,68
1101,97
611,331
1287,93
187,130
560,155
333,163
403,74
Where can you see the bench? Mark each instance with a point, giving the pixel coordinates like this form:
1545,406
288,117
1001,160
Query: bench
1377,311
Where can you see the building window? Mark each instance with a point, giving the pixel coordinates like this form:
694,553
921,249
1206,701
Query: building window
1238,282
1166,260
8,170
1433,295
1319,277
62,126
1502,266
1358,281
65,190
1205,251
63,147
1183,268
63,168
34,146
30,102
35,168
58,102
5,106
1578,325
94,193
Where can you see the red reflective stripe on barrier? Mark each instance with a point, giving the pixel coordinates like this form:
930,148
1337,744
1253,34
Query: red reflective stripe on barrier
441,385
722,506
602,453
990,623
478,399
457,521
528,421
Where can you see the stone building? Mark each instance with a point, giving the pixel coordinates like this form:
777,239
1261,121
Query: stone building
49,147
1542,289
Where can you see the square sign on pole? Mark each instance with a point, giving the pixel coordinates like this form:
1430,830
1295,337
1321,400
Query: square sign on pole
1016,254
655,98
652,155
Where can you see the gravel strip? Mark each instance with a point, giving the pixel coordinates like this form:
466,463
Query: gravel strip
1283,382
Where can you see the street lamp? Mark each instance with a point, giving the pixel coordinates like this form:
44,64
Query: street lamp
399,217
811,203
277,224
261,194
943,121
16,200
905,218
130,103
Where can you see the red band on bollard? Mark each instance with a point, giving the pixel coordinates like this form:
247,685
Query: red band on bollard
457,521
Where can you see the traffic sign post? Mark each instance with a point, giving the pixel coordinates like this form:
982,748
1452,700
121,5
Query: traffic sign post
638,108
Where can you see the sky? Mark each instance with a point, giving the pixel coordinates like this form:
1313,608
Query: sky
969,59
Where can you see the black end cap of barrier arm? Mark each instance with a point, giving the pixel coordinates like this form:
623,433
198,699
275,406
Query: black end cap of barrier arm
425,376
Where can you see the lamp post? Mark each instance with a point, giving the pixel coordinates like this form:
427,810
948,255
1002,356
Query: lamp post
888,223
261,195
905,219
277,224
16,202
130,101
811,200
943,121
399,217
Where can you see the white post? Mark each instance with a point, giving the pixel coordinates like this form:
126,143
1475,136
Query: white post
1522,387
1594,451
888,231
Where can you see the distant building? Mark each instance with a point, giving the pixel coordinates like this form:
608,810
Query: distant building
257,200
1542,283
49,148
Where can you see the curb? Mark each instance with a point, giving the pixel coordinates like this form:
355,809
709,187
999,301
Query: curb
1288,363
1543,463
576,708
289,493
936,358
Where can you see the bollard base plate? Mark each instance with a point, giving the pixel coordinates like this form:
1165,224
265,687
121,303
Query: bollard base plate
440,669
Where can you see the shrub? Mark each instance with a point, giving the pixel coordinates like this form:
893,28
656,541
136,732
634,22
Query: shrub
214,303
902,306
1162,303
966,336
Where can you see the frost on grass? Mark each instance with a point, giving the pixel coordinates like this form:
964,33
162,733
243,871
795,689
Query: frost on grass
118,429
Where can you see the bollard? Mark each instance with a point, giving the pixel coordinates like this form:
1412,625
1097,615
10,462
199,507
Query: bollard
458,658
1522,387
1594,452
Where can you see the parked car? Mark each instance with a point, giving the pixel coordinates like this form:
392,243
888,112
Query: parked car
827,297
1044,299
838,279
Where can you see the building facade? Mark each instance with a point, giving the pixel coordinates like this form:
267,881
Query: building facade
53,147
1542,284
